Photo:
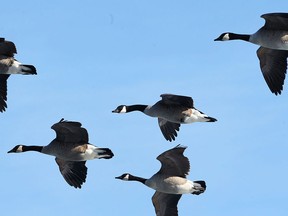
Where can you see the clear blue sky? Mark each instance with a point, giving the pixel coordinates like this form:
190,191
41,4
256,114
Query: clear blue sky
92,56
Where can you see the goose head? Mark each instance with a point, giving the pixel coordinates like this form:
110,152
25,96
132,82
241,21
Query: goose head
120,109
124,177
223,37
16,149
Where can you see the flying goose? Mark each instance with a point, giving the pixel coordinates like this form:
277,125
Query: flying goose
71,149
9,65
169,182
273,51
171,111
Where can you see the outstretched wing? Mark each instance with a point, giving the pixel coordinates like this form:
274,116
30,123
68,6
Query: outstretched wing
7,48
168,129
277,21
174,163
166,204
273,64
3,91
177,99
74,172
70,131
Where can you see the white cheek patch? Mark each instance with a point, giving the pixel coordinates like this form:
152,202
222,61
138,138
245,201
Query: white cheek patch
226,37
19,149
126,178
123,110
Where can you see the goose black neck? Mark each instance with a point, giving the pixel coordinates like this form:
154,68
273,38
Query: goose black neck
136,178
137,107
233,36
32,148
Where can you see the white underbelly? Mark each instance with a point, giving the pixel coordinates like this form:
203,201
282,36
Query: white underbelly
172,185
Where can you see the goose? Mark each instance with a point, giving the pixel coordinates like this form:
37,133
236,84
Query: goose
9,65
171,111
273,51
169,182
71,149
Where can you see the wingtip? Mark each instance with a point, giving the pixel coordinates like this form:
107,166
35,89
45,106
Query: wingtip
277,93
181,146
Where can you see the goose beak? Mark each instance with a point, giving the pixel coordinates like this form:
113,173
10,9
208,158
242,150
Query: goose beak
217,39
119,177
11,151
116,110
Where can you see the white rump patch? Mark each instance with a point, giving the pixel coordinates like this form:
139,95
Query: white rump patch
196,116
15,68
91,152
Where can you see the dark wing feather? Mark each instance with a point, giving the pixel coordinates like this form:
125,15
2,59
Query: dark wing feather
69,131
166,204
273,65
174,163
177,99
3,91
168,129
74,172
7,48
277,21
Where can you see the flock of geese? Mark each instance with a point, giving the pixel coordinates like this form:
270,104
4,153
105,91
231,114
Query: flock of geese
71,146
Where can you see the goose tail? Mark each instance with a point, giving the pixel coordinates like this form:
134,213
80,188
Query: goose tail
28,69
105,153
198,187
198,116
210,119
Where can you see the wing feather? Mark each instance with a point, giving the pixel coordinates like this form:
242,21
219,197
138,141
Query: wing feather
174,163
74,172
168,129
277,21
3,91
273,64
165,204
177,99
70,131
7,48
